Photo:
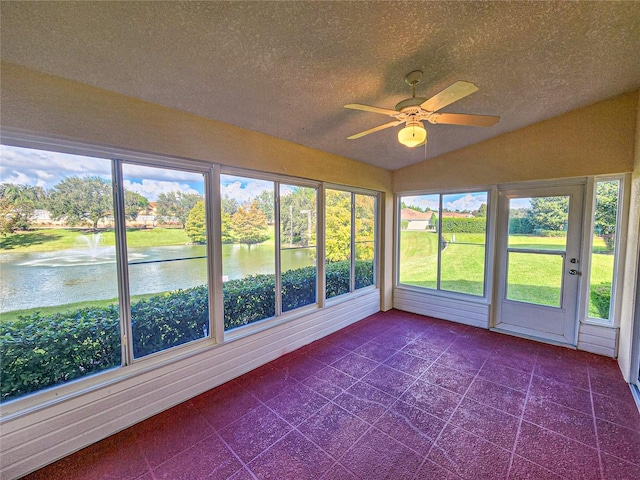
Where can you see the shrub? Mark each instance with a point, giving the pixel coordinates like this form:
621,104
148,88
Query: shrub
541,232
464,225
38,352
520,226
42,351
601,299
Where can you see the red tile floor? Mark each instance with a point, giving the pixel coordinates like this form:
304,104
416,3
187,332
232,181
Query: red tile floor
395,396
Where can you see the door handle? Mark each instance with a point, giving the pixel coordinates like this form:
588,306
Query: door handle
573,271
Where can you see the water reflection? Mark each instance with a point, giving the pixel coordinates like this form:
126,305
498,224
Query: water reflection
69,276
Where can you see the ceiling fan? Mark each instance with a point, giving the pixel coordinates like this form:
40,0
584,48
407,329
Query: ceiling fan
412,111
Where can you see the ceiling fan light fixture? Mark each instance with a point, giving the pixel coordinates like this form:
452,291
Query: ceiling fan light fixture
412,135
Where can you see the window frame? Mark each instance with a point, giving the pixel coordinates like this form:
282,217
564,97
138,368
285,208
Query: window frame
619,247
217,336
489,243
353,191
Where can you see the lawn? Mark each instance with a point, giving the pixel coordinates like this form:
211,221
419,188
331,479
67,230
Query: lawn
462,270
52,239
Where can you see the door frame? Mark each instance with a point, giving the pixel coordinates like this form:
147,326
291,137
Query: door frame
577,191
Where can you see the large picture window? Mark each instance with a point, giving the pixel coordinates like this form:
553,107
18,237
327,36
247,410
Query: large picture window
269,246
106,262
442,241
166,238
349,241
59,313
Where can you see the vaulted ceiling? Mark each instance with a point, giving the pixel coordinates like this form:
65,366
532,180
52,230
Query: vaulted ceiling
288,68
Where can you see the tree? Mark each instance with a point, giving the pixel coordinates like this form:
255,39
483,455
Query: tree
17,206
248,225
196,225
607,211
549,213
134,203
298,217
77,200
177,205
481,212
338,226
266,204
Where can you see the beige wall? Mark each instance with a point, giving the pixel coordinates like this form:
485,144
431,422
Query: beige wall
631,271
594,140
53,106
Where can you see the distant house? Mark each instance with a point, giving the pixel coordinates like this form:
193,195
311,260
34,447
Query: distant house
418,220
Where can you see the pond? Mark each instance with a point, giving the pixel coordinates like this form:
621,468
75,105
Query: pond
69,276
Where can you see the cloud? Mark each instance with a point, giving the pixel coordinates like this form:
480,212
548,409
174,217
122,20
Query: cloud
45,169
423,201
243,189
151,189
470,201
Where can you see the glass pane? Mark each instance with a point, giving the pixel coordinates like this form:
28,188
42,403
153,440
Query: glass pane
248,250
338,242
167,255
59,314
539,223
464,226
365,219
297,246
603,252
418,259
535,278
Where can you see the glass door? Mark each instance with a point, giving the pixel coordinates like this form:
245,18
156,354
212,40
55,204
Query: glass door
539,262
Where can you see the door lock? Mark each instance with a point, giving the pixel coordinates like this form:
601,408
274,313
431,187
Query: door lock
574,260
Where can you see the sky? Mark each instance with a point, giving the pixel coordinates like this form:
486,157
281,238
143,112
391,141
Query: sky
453,202
46,169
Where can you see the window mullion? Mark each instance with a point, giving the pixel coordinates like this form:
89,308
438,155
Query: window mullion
352,274
439,266
124,300
278,255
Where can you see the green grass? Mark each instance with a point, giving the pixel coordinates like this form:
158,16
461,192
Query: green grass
52,239
533,277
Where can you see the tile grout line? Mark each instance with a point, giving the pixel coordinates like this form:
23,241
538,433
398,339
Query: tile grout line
448,421
524,407
595,425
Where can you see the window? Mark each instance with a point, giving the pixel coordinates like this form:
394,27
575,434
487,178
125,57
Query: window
248,250
298,246
59,313
253,211
349,241
106,262
166,238
604,248
442,241
77,247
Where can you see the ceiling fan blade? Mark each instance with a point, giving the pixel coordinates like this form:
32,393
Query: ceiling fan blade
452,93
465,119
375,129
367,108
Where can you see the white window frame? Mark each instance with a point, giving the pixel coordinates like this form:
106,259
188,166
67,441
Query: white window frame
619,248
489,245
131,368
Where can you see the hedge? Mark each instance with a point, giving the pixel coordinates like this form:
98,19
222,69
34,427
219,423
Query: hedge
464,225
37,351
601,299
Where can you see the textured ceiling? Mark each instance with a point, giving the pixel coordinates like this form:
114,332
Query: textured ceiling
288,68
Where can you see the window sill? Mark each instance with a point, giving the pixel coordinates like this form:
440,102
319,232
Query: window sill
444,294
599,323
